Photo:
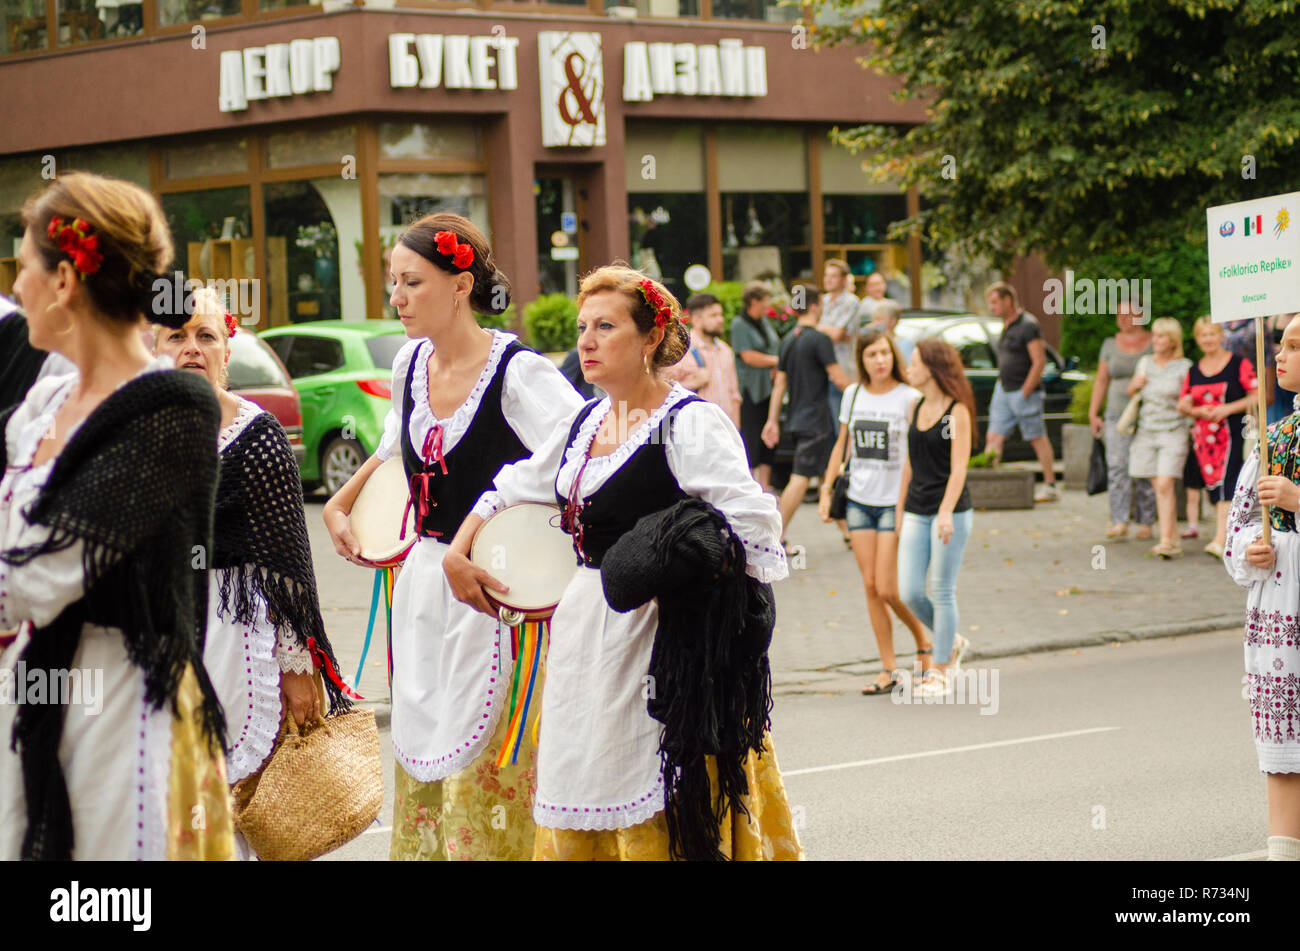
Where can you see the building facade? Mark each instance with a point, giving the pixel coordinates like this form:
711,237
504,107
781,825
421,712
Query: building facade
290,145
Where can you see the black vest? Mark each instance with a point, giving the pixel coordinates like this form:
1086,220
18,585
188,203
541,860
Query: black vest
487,446
641,486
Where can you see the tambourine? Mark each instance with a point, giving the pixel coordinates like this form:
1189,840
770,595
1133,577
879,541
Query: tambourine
523,547
378,514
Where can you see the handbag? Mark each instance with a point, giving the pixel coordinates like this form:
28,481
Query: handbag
320,788
840,487
1097,479
1128,419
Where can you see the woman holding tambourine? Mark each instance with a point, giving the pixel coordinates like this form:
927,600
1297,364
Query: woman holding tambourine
466,401
645,450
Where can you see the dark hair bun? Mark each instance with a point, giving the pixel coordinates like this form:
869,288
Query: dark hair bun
677,340
491,296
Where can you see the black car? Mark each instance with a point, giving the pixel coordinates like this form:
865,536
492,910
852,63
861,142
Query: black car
975,338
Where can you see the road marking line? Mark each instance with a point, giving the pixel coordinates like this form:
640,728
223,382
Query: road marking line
1243,857
953,749
380,829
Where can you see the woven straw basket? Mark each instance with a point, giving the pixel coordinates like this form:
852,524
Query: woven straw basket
319,789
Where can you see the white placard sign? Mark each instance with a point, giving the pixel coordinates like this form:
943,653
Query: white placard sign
1254,250
277,69
573,89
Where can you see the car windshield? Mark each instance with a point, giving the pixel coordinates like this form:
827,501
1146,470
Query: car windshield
384,348
251,364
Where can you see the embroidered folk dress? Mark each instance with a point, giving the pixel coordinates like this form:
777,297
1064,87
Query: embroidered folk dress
141,782
449,661
600,787
1272,631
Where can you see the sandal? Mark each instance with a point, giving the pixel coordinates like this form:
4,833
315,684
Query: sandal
1117,533
1214,550
1191,531
1166,550
1143,533
877,688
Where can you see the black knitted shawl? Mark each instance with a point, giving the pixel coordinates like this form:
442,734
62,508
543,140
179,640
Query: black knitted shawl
711,675
135,485
262,539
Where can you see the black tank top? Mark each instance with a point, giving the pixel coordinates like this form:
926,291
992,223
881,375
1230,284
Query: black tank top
930,453
487,446
641,486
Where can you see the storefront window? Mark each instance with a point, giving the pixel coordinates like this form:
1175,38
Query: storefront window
212,157
20,178
313,250
858,212
657,8
426,140
187,11
22,26
404,198
281,4
861,219
212,234
311,146
763,177
666,204
772,11
130,162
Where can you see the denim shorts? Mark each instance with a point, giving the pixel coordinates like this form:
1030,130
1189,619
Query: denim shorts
870,518
1008,410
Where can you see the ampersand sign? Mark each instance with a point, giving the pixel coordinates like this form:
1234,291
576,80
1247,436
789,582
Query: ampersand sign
583,102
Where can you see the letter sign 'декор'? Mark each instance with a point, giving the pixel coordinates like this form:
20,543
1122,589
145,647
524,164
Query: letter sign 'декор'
276,70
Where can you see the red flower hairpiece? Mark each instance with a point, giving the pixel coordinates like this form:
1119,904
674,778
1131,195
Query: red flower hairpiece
462,255
232,325
77,242
663,308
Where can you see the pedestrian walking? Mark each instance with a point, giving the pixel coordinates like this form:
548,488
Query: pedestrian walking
873,434
1018,396
934,504
613,781
1115,367
1217,394
709,351
755,344
840,320
1159,448
887,316
806,371
105,502
1271,574
265,635
472,400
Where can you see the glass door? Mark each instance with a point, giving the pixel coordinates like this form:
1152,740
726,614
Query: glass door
561,239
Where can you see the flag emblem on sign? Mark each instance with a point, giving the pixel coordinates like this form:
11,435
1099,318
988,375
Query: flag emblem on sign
1226,229
1283,219
1254,225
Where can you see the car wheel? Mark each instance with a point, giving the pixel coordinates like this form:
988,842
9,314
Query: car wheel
339,461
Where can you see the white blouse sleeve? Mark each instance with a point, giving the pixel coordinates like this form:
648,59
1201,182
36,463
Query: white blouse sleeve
39,590
1245,525
291,656
708,460
531,479
536,398
389,442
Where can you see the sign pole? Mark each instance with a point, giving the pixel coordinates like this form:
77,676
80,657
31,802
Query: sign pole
1260,416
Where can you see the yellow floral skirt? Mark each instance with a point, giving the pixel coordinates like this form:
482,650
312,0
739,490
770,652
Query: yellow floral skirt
482,812
199,823
767,834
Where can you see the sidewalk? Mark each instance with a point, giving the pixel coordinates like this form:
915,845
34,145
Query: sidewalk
1031,580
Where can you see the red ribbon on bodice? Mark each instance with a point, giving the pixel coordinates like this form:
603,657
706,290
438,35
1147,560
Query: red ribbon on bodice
431,452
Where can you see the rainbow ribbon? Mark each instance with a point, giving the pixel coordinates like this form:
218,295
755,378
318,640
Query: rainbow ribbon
383,589
526,649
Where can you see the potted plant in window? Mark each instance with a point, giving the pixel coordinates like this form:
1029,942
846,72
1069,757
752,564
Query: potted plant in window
323,241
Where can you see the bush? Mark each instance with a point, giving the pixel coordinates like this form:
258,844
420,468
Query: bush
551,323
728,292
1180,288
1080,397
503,321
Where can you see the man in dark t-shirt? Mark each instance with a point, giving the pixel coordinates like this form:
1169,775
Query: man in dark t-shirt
805,369
20,362
1018,396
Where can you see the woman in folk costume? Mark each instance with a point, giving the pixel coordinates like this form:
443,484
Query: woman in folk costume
110,475
265,633
466,401
654,713
1271,572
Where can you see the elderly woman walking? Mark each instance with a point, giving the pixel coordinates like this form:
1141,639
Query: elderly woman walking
1120,356
1159,447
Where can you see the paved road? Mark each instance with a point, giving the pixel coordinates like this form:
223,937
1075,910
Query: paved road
1131,751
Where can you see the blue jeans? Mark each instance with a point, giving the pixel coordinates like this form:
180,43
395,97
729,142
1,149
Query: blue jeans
919,552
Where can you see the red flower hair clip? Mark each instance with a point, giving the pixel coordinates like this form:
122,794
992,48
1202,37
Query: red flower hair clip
663,308
232,325
77,242
462,255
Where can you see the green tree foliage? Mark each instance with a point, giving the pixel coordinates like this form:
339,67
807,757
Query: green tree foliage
551,322
1078,129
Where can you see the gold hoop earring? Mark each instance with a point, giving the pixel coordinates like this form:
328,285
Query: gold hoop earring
59,333
645,361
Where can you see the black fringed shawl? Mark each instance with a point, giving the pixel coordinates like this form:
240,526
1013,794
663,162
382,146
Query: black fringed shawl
262,540
135,484
711,676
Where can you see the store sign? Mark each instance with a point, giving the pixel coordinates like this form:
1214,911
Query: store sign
275,70
685,69
573,89
453,62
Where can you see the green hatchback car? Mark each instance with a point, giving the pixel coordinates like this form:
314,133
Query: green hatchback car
342,371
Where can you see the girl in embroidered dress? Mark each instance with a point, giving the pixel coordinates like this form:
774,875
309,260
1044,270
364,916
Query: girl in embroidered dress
107,494
466,401
261,568
1271,573
645,446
